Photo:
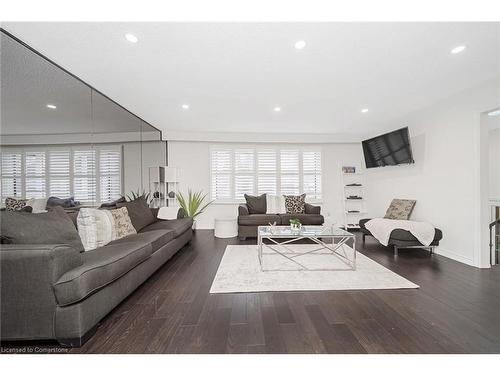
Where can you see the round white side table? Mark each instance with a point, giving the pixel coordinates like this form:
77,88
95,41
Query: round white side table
226,227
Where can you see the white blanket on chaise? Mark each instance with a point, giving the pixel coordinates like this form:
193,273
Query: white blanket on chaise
381,229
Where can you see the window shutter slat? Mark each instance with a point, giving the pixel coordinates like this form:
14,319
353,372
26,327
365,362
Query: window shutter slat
35,174
84,182
110,175
59,172
12,181
221,166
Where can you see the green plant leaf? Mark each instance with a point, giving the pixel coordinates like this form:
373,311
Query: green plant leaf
193,204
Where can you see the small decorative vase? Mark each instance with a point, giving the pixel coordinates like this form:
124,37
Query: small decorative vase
295,227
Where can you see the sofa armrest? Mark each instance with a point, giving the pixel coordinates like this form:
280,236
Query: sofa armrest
313,210
243,210
27,275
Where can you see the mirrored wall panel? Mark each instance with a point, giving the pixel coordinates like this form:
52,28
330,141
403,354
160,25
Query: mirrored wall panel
60,138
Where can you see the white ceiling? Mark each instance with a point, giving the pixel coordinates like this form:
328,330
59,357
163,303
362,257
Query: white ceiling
233,74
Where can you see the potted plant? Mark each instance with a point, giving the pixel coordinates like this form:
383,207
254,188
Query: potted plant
295,224
193,205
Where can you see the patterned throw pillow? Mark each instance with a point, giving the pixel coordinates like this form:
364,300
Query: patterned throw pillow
295,204
15,204
95,227
400,209
122,223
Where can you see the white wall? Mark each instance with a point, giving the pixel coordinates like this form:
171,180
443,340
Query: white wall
494,170
192,158
445,179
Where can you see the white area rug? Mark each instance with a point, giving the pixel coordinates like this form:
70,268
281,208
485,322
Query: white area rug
239,271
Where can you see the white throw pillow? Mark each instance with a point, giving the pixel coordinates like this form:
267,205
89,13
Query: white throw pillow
39,205
275,204
95,227
167,213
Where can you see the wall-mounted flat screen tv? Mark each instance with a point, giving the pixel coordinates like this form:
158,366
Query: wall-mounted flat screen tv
388,149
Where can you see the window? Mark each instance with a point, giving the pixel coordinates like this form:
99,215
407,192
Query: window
91,175
236,171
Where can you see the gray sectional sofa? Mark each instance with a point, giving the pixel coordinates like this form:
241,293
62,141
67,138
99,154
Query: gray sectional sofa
248,223
53,291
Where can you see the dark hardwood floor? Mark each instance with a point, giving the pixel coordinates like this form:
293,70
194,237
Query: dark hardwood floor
456,310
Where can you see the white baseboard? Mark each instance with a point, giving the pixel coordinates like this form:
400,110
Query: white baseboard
449,254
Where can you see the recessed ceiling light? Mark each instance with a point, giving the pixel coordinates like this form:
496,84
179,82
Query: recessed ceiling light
458,49
300,44
51,106
131,38
496,112
185,106
364,110
277,109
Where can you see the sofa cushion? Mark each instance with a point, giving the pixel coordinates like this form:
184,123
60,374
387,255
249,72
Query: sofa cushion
258,219
157,238
178,226
48,228
305,219
100,267
139,213
256,205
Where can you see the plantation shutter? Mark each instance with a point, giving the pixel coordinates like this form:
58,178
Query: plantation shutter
221,167
35,174
289,162
110,175
311,170
59,173
236,171
84,180
243,173
12,181
267,169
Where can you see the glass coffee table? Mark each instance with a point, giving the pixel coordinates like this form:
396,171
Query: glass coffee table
328,241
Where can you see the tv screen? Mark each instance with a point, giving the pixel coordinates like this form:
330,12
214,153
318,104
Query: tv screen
388,149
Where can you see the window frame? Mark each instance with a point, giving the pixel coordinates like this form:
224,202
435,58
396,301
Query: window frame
264,147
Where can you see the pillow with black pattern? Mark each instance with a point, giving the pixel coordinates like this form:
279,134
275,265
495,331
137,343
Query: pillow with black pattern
15,204
295,204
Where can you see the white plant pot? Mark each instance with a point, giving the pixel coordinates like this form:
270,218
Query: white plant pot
194,225
295,227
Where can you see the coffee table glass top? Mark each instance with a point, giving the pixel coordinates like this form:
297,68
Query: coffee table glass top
305,231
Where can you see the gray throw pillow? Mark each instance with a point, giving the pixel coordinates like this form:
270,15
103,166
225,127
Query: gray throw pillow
256,205
139,212
295,204
400,209
53,227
